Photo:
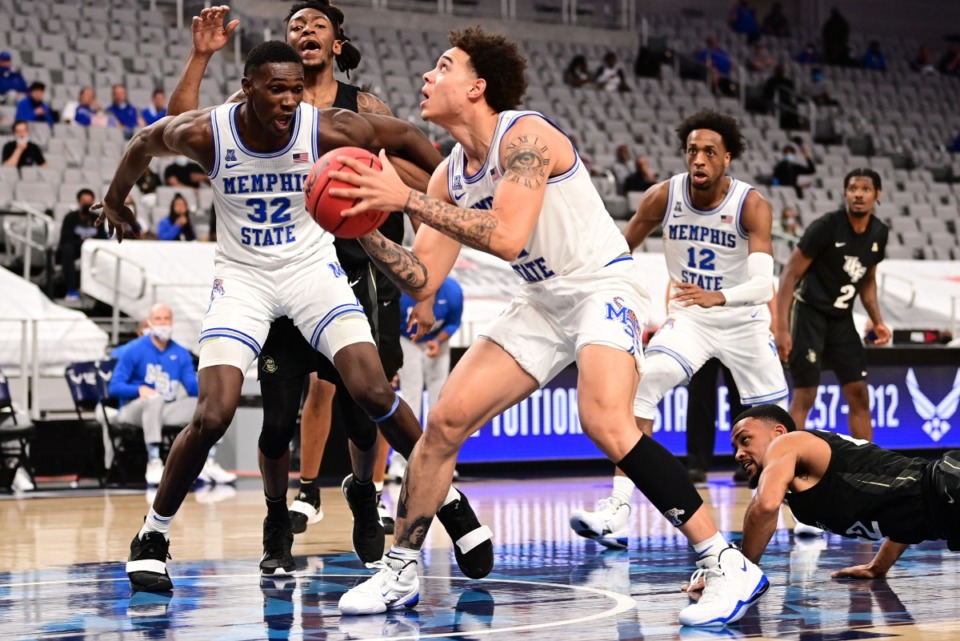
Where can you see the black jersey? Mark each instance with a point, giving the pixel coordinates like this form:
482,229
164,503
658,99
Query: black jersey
841,259
870,493
352,257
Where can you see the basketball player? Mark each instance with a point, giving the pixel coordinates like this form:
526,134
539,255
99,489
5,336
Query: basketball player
514,187
271,259
716,238
315,31
845,485
835,260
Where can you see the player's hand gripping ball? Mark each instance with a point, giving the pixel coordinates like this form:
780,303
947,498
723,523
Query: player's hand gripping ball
326,209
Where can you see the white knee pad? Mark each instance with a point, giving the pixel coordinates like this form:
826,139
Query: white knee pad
222,350
661,373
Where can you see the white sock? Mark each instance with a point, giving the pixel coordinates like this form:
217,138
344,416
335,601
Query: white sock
711,546
212,453
378,485
404,554
623,489
156,523
452,495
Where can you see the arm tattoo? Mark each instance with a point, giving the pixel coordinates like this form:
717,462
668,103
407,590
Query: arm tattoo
472,227
527,162
400,265
367,103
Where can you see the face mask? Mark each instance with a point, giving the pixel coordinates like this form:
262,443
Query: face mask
789,157
161,332
23,139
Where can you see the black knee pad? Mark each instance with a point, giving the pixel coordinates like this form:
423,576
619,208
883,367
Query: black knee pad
281,405
662,479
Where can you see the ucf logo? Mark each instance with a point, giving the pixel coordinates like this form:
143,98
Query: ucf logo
855,270
870,532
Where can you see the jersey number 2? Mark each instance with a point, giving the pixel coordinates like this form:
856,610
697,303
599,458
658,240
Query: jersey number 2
279,214
843,300
706,259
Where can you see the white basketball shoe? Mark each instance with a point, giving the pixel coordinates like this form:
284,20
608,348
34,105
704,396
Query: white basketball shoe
607,526
394,586
732,585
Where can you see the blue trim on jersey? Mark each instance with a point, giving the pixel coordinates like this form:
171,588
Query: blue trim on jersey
216,145
666,214
765,398
567,175
688,370
737,219
334,313
450,175
702,212
250,338
294,129
224,332
618,260
316,138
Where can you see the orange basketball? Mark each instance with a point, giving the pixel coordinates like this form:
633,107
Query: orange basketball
326,209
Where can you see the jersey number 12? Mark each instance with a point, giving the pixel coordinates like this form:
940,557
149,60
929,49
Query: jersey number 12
707,256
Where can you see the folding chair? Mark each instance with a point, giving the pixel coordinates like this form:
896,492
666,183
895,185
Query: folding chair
15,437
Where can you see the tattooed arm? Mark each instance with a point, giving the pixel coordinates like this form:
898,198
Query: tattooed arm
531,152
367,103
421,272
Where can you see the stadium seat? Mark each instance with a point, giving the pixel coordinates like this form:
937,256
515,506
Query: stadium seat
15,437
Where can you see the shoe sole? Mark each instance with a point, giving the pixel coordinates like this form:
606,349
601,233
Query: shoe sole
149,582
740,610
278,571
300,518
615,540
410,601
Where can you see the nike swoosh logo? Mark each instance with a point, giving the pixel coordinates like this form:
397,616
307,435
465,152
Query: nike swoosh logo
754,315
744,568
386,303
839,244
351,283
459,198
949,498
679,215
232,165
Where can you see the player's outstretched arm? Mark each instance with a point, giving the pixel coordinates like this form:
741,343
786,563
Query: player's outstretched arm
760,521
649,214
210,35
343,128
871,303
878,568
420,272
187,135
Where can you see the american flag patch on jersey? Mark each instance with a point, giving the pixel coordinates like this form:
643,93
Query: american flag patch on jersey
724,218
301,156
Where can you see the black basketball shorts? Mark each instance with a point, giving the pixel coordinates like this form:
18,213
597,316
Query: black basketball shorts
824,341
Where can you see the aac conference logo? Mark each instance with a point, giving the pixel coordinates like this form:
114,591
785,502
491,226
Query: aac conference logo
935,416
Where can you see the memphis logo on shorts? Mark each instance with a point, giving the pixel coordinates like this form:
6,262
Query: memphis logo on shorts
631,326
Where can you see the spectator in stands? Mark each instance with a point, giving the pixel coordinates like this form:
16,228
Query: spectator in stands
185,173
923,61
148,182
10,79
743,19
779,91
950,61
873,58
177,226
760,59
788,223
577,74
158,109
836,39
809,55
642,177
954,147
776,23
610,76
787,172
77,226
33,108
126,115
156,383
717,61
86,111
20,152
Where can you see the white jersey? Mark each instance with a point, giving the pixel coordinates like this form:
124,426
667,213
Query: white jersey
574,233
706,248
261,217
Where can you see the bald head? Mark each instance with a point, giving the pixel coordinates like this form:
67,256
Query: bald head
160,314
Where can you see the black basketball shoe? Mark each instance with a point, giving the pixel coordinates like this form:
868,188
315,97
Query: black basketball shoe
472,544
368,534
277,559
388,522
305,510
147,563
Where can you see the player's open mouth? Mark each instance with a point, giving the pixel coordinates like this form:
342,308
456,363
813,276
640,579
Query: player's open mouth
700,177
283,121
310,48
746,465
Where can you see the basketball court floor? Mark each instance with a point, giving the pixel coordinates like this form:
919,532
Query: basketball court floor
61,575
